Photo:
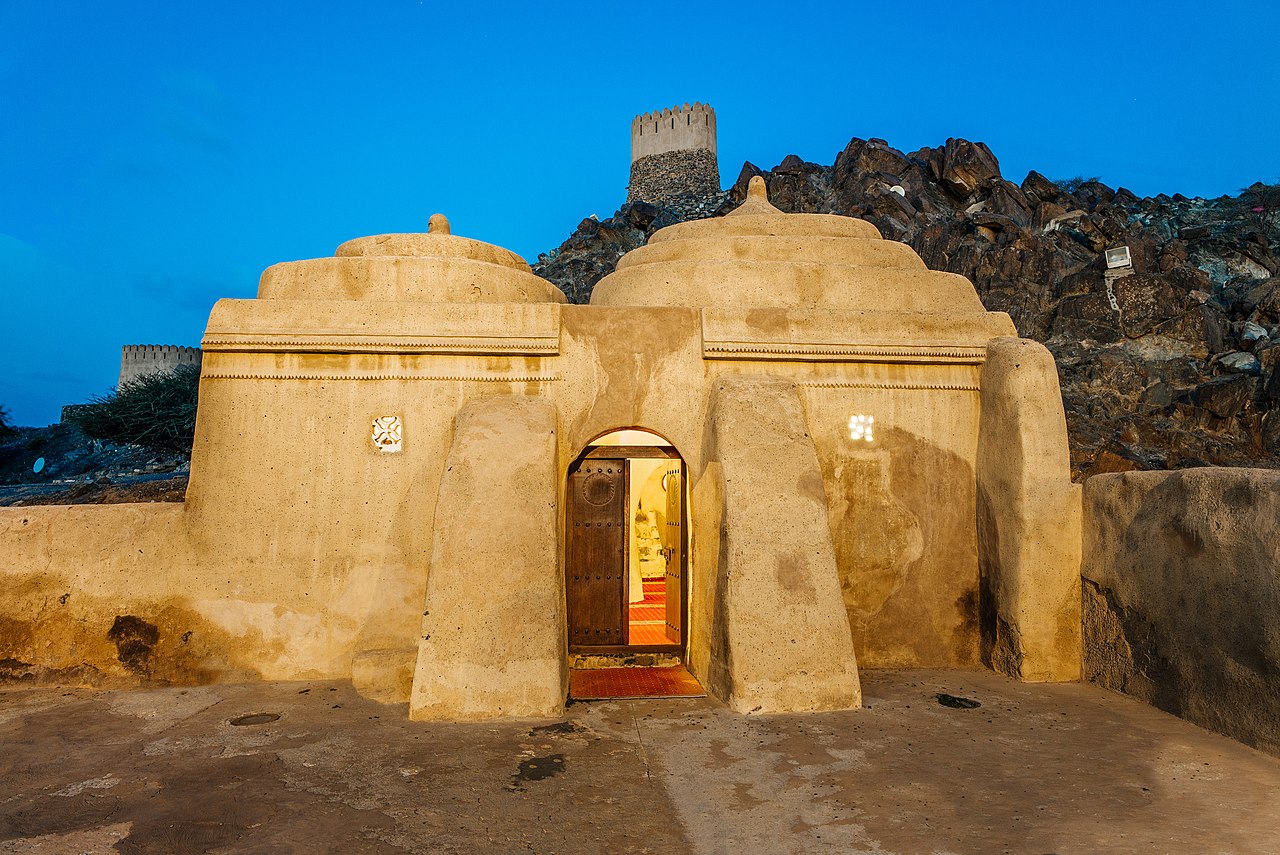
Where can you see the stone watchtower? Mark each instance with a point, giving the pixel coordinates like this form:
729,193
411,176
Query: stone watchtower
673,155
137,360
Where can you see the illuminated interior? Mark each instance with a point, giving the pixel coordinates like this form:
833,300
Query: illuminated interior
647,556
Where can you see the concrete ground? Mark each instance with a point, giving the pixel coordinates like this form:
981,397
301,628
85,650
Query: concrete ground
1034,769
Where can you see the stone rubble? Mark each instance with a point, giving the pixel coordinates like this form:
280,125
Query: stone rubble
674,175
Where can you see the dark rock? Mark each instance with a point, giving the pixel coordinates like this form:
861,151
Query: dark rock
1094,194
1009,201
1039,189
1223,396
793,165
997,221
1241,363
966,166
1146,301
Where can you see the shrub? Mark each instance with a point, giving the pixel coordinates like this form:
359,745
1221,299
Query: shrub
1071,185
6,423
155,410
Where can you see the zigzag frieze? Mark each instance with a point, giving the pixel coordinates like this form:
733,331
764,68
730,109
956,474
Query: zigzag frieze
447,378
890,384
456,345
755,350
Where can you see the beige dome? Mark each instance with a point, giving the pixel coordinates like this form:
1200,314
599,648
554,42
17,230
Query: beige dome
434,267
759,257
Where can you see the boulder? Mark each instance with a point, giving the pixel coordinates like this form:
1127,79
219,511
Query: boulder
1223,396
1241,363
966,166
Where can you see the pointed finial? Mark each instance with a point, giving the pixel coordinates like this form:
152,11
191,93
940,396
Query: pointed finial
438,224
757,201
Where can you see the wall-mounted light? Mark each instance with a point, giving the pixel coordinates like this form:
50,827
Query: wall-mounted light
861,427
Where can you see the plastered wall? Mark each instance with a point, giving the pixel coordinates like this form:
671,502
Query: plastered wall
673,129
301,546
1181,578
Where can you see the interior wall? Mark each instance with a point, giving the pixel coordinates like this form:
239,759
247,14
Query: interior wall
647,494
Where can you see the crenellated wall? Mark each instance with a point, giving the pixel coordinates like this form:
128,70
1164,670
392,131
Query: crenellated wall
137,360
673,129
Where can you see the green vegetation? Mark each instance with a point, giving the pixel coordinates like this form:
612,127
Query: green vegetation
156,411
1071,185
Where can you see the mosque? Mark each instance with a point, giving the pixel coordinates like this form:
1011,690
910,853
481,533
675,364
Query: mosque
774,448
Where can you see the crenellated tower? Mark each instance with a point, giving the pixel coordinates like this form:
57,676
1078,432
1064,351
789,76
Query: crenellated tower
673,155
137,360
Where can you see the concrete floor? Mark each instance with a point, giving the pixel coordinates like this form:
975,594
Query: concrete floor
1034,769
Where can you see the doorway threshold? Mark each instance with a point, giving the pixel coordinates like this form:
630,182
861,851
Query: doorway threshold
624,658
666,681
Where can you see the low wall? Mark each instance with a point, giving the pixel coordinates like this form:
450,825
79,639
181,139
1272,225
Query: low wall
1181,579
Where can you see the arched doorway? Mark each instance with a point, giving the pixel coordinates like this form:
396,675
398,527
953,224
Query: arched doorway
626,547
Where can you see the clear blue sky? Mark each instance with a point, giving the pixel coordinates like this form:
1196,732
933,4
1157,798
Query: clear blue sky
156,156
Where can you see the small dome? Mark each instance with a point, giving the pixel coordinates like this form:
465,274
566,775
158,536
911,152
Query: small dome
759,257
432,267
436,242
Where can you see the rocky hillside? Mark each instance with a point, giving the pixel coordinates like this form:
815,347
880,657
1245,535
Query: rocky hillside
1175,365
59,465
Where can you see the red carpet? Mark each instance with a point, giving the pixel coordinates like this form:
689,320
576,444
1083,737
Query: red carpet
672,681
647,619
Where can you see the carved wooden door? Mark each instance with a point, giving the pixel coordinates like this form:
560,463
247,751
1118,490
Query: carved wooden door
673,548
596,560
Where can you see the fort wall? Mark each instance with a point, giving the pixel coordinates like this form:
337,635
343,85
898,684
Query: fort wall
673,155
673,129
137,360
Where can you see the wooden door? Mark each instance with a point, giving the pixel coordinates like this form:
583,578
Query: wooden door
673,548
596,563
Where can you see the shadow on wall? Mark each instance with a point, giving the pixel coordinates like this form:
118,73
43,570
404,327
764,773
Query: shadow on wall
1181,583
902,523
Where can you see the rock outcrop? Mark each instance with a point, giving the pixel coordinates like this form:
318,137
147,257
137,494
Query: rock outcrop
1175,364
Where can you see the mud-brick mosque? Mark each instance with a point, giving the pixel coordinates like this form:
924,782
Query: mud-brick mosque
774,447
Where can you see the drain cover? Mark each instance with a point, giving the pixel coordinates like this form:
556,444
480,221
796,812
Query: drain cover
958,703
256,718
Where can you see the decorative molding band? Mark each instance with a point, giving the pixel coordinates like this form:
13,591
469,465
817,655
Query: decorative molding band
463,345
889,384
843,352
453,378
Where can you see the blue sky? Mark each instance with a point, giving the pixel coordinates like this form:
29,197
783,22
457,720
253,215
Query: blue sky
155,156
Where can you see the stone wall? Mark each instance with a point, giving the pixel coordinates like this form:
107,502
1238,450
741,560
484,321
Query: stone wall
1181,579
674,175
137,360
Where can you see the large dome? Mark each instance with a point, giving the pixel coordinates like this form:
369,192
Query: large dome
759,257
435,267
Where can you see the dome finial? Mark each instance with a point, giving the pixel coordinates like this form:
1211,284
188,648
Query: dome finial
757,201
438,224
